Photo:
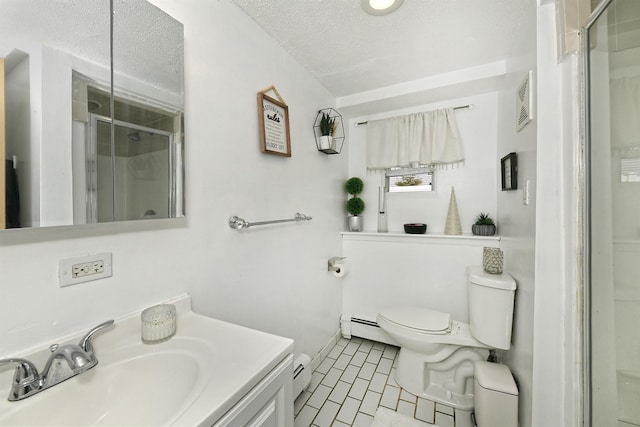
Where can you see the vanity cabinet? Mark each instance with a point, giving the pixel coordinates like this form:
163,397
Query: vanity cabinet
268,404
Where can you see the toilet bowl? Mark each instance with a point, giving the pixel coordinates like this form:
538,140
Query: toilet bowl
431,333
437,353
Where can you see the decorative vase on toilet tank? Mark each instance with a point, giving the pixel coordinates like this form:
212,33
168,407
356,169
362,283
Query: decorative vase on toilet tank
355,205
492,260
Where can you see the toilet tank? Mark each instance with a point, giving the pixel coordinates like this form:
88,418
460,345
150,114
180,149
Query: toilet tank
491,298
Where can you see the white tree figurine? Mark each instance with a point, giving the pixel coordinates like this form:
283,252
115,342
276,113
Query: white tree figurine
453,219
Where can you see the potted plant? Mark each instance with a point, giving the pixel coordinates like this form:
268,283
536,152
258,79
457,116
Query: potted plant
484,225
327,129
355,205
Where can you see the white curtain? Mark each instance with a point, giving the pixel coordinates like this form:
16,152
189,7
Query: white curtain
429,138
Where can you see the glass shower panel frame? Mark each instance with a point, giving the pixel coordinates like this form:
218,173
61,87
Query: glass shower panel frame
611,377
94,182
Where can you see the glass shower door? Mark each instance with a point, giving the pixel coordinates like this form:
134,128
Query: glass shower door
614,215
134,177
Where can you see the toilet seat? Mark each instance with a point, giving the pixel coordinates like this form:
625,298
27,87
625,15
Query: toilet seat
419,319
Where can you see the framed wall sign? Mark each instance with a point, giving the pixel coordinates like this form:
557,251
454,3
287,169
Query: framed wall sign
509,167
273,118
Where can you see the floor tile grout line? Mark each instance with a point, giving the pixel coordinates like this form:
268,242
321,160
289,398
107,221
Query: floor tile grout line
327,399
360,401
387,376
357,410
334,419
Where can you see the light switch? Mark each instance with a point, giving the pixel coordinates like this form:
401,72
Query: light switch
525,192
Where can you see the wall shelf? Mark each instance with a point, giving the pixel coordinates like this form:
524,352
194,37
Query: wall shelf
334,146
428,238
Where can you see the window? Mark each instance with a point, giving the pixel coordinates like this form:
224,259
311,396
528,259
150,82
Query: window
404,180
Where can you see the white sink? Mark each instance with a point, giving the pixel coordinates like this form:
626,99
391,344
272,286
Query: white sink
191,379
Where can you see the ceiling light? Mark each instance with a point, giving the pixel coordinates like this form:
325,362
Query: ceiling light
380,7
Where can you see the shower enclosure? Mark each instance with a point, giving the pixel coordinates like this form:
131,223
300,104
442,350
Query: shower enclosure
611,49
132,176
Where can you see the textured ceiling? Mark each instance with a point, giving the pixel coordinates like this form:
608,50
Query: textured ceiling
350,51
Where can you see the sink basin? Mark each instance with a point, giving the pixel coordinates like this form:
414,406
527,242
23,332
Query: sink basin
134,386
191,379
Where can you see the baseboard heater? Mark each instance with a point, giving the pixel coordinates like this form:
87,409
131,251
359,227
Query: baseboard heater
360,326
365,322
301,373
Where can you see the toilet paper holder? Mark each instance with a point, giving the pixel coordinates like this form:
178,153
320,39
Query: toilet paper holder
333,263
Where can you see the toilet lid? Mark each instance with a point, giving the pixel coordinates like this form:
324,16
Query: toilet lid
421,319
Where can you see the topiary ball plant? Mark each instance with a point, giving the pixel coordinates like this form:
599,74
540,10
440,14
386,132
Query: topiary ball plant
355,205
354,186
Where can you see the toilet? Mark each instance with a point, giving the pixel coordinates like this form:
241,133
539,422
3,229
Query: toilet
437,353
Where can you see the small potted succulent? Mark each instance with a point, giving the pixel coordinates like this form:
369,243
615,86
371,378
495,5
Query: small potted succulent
484,225
327,129
355,205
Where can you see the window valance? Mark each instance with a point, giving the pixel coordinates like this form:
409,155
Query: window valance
429,138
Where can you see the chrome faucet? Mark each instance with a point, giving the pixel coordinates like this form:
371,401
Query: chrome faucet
79,358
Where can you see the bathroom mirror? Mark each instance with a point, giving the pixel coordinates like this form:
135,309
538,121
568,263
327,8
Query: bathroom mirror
79,147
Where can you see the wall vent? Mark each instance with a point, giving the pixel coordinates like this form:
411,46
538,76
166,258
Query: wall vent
524,102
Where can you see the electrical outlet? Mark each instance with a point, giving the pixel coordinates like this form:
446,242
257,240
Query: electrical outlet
72,271
87,268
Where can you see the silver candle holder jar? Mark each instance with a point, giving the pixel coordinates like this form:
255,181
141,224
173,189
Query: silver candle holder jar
492,260
158,323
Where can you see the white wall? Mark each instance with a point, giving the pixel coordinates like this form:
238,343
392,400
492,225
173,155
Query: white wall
517,230
56,184
270,278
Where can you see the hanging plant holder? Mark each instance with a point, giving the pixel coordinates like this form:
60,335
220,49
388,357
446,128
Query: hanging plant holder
329,131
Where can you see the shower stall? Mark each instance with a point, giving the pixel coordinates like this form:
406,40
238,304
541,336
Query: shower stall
134,175
611,71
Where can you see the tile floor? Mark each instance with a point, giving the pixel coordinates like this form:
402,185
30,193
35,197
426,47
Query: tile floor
354,379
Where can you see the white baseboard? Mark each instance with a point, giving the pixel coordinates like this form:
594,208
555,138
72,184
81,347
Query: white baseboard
325,350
